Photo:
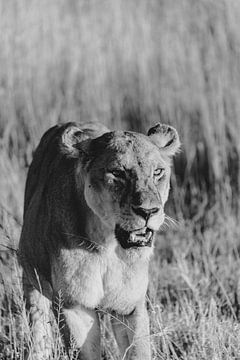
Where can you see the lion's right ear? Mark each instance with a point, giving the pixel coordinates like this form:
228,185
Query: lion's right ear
72,141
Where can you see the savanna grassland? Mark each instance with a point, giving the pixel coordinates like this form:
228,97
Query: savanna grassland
130,64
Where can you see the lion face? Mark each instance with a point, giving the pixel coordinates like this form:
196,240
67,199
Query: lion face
127,179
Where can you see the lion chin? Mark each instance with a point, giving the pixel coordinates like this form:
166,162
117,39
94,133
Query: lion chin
94,201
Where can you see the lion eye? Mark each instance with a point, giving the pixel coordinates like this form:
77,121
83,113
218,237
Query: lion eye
158,173
115,176
117,173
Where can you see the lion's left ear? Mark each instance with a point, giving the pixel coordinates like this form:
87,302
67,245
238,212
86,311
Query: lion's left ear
165,137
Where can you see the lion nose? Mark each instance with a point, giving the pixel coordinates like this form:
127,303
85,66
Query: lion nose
145,213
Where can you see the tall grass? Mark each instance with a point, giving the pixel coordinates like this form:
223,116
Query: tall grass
126,64
129,64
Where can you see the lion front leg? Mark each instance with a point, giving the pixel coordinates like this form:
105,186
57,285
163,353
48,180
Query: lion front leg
132,334
80,330
38,307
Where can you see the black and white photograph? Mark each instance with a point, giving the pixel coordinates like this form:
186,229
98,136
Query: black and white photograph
119,179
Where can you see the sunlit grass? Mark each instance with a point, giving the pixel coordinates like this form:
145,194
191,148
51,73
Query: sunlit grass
129,64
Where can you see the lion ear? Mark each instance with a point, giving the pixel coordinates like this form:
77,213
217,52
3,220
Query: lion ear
165,137
73,141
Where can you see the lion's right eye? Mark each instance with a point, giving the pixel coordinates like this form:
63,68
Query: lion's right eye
115,175
119,174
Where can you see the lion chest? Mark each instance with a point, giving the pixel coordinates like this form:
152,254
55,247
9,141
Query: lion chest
103,281
124,284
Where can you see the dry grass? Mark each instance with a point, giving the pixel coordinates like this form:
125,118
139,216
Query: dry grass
129,64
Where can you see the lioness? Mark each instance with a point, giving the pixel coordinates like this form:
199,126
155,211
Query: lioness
94,199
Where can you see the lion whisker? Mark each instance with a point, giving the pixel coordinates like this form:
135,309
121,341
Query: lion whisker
170,222
92,244
165,226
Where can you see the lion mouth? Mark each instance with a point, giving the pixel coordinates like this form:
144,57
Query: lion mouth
136,238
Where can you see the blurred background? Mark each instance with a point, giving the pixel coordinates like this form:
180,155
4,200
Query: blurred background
129,64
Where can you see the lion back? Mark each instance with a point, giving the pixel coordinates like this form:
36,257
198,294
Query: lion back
34,247
37,168
48,149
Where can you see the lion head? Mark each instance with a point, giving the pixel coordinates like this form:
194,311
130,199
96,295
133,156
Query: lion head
125,178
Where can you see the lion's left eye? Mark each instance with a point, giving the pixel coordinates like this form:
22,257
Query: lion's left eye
158,173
